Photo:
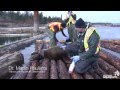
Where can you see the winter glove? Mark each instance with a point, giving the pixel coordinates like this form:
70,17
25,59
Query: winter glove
75,58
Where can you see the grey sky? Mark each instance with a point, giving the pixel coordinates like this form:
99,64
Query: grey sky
91,16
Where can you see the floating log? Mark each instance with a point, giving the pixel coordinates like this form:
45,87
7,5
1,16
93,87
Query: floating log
94,75
116,42
106,67
62,69
15,46
53,70
75,75
33,70
22,73
38,45
44,70
100,72
110,58
111,45
87,76
9,62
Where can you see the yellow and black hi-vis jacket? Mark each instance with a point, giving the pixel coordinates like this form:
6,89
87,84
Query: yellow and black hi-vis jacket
89,43
71,20
51,27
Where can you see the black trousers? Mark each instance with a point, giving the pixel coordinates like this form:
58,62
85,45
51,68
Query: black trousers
81,66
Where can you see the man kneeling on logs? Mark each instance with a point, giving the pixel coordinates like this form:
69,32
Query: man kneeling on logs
87,48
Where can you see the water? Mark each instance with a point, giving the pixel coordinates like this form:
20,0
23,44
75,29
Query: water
5,40
108,33
46,38
27,52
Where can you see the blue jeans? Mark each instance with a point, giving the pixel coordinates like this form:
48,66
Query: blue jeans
83,66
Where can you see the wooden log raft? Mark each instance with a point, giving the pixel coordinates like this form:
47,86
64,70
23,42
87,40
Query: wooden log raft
17,45
33,64
110,58
44,70
22,73
112,45
100,72
94,75
33,70
9,62
106,67
75,75
62,70
53,70
87,75
38,45
116,42
59,70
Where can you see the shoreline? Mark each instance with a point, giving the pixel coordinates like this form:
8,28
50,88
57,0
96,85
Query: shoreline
106,24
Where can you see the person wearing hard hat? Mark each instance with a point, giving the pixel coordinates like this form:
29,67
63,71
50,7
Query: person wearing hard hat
88,48
70,22
58,33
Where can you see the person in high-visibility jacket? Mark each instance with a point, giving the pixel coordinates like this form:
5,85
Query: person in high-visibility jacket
54,29
87,47
70,22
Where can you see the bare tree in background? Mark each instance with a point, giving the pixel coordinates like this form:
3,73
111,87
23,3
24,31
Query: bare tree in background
36,21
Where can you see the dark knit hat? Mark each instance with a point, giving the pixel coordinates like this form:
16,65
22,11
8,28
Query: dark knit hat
80,23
